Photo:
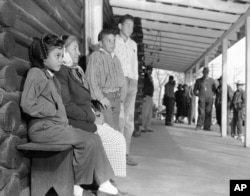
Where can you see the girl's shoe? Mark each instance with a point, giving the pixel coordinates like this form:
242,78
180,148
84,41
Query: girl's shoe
108,188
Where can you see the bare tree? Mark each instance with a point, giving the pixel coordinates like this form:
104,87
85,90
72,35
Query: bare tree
160,79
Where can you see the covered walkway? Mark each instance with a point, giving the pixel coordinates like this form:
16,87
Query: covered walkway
181,161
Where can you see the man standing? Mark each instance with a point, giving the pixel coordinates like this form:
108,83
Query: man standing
205,89
147,105
126,51
218,103
238,106
169,101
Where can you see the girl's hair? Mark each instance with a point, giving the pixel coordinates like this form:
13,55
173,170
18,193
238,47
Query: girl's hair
40,48
67,39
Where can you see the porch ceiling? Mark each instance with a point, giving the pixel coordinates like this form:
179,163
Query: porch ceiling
177,34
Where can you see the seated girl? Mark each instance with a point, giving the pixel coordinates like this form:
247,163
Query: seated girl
48,124
77,100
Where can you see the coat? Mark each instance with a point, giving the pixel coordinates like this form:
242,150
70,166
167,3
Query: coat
77,100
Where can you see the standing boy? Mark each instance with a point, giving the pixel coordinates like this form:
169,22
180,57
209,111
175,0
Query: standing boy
106,78
126,50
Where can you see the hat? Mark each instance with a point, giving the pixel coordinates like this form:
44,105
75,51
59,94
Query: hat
239,82
219,79
179,86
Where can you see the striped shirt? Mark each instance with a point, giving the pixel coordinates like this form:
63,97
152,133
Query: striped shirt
127,54
104,74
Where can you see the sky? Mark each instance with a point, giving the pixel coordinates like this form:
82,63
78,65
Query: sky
236,63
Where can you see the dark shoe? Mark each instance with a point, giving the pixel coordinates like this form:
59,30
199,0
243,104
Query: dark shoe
151,130
169,124
130,161
207,129
136,134
198,128
144,131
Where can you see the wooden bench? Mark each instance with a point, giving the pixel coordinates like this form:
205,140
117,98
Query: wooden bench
51,168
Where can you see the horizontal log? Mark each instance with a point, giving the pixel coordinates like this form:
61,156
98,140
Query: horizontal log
71,12
25,191
5,175
29,19
10,157
6,96
7,44
7,81
12,188
10,116
22,66
24,169
3,135
79,3
21,81
20,38
50,10
7,14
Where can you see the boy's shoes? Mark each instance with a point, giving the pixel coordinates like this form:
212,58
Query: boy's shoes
130,161
198,128
145,131
241,138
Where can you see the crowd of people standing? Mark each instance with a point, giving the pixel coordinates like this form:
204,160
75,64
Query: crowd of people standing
209,93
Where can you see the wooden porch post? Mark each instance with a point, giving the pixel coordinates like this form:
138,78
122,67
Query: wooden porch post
206,61
224,88
247,125
94,22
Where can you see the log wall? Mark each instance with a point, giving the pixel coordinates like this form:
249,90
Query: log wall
20,21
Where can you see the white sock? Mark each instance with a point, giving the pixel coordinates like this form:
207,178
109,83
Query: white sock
78,190
107,187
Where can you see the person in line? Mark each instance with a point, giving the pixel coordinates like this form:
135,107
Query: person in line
169,100
238,107
218,103
205,89
126,51
147,104
190,109
186,104
48,123
178,99
77,100
106,79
